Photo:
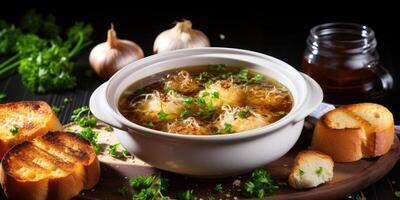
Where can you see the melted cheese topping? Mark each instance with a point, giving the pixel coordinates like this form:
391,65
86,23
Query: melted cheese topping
189,126
152,104
229,94
231,116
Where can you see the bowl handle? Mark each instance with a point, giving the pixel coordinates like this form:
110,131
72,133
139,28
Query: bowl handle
99,108
313,100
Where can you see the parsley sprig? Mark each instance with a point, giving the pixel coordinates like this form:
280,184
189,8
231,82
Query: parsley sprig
260,184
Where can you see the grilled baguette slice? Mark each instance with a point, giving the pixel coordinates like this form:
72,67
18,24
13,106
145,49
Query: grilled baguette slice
57,165
353,132
30,118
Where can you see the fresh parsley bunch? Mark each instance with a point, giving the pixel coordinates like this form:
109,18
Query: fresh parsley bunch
44,58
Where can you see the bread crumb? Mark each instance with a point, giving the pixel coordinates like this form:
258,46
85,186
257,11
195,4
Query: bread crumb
236,183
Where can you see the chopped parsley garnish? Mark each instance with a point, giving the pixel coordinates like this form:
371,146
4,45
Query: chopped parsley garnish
242,114
124,153
205,94
3,95
149,124
91,136
203,113
185,114
217,67
218,188
210,106
215,95
167,88
56,109
112,149
81,116
109,128
202,76
200,101
319,171
281,113
360,197
207,84
14,130
260,184
187,195
228,128
188,100
162,115
149,187
257,78
301,172
67,100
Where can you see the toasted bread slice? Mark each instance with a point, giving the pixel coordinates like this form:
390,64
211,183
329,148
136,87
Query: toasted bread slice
352,132
310,169
57,165
29,119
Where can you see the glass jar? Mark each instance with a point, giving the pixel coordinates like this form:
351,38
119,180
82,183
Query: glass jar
343,59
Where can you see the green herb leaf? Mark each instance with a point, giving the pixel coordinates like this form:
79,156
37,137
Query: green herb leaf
187,195
81,116
228,128
185,114
14,130
218,188
56,109
109,128
3,95
207,84
397,194
215,95
301,172
203,113
149,124
319,171
112,149
242,114
187,100
360,197
281,113
260,185
200,101
67,100
202,76
91,136
205,94
162,115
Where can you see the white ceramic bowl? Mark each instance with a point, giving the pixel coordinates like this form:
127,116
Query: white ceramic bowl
216,155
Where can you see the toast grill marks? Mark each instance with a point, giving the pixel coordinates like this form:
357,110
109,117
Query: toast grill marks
32,119
33,161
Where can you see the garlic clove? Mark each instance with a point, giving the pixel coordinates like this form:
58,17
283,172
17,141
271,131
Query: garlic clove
110,56
180,37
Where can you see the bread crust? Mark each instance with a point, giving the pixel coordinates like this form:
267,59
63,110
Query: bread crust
84,173
28,131
364,140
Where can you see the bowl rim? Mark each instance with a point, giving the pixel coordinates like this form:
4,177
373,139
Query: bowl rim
221,137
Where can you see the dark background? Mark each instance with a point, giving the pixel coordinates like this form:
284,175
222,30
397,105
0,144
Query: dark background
277,30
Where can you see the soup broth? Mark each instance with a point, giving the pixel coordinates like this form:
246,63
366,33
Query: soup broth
206,100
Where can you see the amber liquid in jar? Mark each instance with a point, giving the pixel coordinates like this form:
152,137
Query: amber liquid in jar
343,59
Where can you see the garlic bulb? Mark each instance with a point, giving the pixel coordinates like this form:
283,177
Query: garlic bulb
110,56
180,37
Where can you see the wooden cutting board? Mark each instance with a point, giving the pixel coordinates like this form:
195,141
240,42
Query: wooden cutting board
349,178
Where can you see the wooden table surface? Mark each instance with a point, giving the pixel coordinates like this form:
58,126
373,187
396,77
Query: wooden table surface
283,38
